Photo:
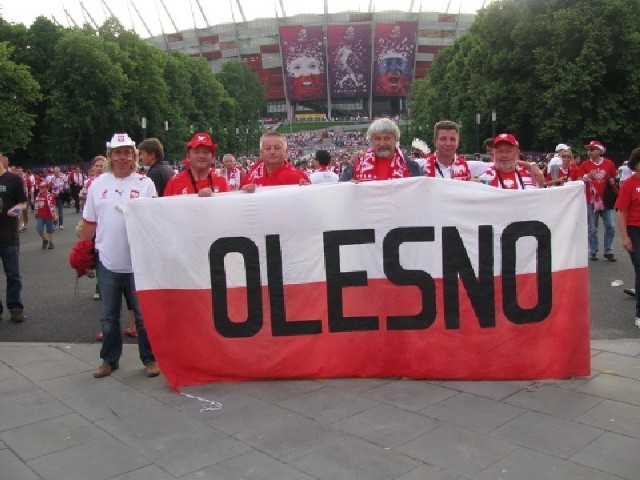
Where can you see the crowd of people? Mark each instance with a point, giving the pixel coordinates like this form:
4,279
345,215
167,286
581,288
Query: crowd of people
117,178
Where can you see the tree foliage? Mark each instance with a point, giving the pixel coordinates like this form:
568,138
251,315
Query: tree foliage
553,70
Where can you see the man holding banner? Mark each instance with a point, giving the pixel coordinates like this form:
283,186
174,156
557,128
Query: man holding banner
506,172
383,160
273,168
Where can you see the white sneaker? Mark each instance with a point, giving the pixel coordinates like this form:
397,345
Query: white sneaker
96,296
61,227
638,322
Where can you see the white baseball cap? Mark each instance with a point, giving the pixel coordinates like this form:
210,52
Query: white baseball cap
562,146
121,140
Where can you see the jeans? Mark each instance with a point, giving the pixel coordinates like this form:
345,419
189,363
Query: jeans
10,255
59,207
608,218
634,235
112,286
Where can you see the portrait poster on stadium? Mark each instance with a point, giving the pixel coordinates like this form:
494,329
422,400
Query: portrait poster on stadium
394,58
304,63
349,59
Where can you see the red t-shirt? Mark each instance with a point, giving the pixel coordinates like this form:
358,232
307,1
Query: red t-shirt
184,183
629,200
287,174
603,171
44,205
572,174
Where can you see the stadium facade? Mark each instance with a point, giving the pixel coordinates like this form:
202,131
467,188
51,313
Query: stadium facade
337,65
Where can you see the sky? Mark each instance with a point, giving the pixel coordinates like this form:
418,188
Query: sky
186,13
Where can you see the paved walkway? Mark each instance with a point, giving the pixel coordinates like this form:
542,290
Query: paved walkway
58,422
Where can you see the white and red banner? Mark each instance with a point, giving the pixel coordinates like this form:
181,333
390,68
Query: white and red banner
420,278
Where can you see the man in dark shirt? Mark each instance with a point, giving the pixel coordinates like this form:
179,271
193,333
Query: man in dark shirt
13,199
151,154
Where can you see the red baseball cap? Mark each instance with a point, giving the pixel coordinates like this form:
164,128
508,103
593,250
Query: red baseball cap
506,138
202,140
595,144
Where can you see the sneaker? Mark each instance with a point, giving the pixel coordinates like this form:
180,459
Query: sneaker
638,322
593,256
151,369
611,257
61,227
96,296
630,291
100,336
17,316
50,247
44,244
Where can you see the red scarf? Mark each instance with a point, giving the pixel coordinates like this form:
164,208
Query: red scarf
366,169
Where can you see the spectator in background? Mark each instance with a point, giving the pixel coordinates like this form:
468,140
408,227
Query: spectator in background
58,186
565,172
231,173
46,214
151,153
323,174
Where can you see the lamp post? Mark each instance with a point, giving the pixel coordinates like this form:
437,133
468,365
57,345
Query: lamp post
237,141
191,129
478,130
493,122
166,139
143,123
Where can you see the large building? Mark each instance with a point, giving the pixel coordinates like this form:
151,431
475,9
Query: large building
336,65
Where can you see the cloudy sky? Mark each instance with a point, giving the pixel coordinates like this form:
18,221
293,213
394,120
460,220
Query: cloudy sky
186,13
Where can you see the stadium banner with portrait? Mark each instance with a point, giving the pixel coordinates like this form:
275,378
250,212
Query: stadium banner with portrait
490,284
394,56
303,59
349,60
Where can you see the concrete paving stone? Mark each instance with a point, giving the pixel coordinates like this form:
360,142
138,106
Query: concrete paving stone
327,405
87,352
612,387
30,409
413,395
617,364
62,367
555,401
15,388
525,464
150,472
475,413
614,417
427,472
18,354
172,440
7,373
619,345
51,435
242,413
117,400
12,468
289,439
78,384
570,383
457,450
99,459
386,425
544,433
354,385
492,390
276,390
249,466
140,382
354,458
612,453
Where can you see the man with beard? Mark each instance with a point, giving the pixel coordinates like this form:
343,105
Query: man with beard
199,176
506,171
383,160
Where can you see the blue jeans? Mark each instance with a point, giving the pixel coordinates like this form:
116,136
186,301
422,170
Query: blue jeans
634,235
112,286
10,255
608,218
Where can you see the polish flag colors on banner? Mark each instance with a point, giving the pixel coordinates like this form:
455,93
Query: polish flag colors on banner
419,278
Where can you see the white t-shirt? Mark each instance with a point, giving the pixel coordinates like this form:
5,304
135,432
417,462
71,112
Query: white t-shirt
103,206
323,177
477,167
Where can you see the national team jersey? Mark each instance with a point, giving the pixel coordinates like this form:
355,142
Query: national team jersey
184,184
287,174
44,206
458,170
602,172
629,200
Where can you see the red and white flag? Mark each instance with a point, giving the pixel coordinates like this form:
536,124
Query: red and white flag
419,277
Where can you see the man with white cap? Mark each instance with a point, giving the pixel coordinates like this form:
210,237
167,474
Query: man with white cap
103,218
597,172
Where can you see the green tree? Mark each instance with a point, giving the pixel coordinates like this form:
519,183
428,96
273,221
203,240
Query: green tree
19,92
242,84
